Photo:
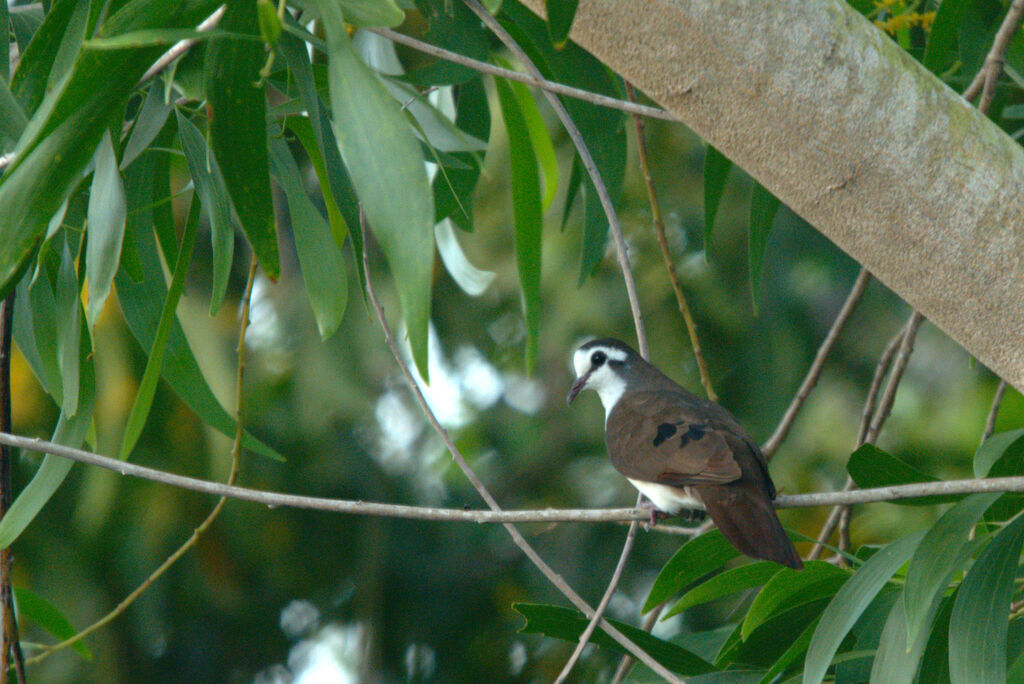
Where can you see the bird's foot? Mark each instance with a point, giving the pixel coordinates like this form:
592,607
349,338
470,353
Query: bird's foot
656,513
694,515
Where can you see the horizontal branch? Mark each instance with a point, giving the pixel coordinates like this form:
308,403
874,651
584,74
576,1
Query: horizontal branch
528,79
548,515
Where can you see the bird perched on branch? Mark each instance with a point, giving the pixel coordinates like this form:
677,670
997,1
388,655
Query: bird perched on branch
681,451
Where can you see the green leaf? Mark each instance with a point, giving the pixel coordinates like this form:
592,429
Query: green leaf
303,131
142,302
898,659
526,206
850,601
763,207
978,625
238,131
693,560
371,13
12,117
166,38
566,624
541,140
938,51
790,588
716,172
772,639
71,427
795,650
999,447
560,14
105,228
323,269
148,123
213,193
869,466
937,557
63,133
155,360
471,279
69,320
732,581
383,158
30,78
45,615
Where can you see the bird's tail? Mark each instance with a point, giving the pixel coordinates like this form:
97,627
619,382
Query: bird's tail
748,520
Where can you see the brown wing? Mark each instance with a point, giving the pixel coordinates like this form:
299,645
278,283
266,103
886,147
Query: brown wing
666,437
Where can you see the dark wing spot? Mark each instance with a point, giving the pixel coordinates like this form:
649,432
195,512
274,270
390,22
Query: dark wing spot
665,431
693,433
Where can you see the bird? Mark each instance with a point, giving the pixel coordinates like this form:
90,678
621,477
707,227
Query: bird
681,451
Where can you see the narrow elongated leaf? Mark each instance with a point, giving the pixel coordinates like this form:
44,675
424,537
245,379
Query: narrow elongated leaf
978,625
716,172
29,80
323,269
790,588
795,650
850,601
155,361
542,145
69,320
527,212
772,639
303,130
560,15
12,117
998,447
763,208
5,47
938,51
693,560
166,38
70,431
238,130
372,13
105,228
25,21
148,123
63,132
383,158
44,614
732,581
869,466
898,659
142,302
214,195
472,280
563,623
937,556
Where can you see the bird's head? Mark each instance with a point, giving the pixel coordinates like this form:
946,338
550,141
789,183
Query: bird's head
604,366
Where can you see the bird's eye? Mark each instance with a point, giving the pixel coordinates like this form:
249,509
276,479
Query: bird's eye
598,358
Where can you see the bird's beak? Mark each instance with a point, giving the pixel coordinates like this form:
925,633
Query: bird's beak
577,387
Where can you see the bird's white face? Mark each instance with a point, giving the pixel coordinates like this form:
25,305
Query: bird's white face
594,370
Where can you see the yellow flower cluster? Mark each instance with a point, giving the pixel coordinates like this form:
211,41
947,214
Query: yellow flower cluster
905,21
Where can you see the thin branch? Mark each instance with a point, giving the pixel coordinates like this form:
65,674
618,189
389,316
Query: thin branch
548,515
10,642
993,411
627,548
588,163
536,81
181,47
814,372
460,461
988,76
659,229
627,660
881,368
236,451
898,366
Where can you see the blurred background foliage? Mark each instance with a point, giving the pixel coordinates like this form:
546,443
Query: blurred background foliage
283,595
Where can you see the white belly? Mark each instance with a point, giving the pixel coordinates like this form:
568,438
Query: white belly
666,498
